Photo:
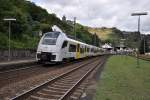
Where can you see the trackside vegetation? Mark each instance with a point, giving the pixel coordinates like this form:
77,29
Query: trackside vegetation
123,80
30,20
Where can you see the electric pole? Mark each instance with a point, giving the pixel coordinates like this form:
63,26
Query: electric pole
139,15
95,40
74,30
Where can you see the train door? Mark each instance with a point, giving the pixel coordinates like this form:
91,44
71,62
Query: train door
64,50
85,51
78,51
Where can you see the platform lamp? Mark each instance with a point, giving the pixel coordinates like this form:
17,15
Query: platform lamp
9,20
139,15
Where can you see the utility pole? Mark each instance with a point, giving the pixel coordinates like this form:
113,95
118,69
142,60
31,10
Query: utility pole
144,44
9,19
139,15
74,30
95,40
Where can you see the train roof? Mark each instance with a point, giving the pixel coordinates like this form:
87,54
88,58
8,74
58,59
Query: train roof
73,40
76,41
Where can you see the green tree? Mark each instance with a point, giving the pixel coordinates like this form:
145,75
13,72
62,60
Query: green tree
144,46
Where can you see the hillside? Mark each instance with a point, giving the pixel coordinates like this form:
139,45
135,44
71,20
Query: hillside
107,34
114,36
30,19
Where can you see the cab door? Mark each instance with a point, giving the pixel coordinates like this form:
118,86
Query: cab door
64,50
78,51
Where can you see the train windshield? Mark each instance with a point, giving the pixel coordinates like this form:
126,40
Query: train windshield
52,35
50,38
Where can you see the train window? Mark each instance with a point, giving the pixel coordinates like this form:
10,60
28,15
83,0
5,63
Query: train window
81,50
50,38
47,41
52,35
65,44
85,49
92,50
88,49
72,48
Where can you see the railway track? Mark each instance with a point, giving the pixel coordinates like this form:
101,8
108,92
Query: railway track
19,74
36,65
62,86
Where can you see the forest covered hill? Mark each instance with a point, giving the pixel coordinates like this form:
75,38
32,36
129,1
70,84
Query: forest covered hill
30,19
115,36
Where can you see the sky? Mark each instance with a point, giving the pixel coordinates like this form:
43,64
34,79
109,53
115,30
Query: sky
101,13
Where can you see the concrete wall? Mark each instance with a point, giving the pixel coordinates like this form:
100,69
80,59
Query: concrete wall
17,54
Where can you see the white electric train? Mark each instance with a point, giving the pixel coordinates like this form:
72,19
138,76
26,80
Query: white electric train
56,46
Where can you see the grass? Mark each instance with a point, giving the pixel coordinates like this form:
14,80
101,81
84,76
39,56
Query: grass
123,80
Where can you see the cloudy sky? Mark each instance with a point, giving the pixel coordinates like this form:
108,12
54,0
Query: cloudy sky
98,13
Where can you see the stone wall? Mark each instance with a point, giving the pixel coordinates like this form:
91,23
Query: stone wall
17,54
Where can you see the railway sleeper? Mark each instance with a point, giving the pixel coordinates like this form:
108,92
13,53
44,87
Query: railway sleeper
81,87
66,84
57,89
73,98
70,80
79,90
47,96
77,94
72,75
59,86
32,97
51,92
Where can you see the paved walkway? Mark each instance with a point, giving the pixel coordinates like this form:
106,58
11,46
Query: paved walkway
16,62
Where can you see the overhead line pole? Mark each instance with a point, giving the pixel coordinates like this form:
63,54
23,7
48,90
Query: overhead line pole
74,28
139,15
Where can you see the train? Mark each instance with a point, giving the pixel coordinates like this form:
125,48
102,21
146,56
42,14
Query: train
56,46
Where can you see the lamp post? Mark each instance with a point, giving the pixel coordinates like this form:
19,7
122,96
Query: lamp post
9,20
139,15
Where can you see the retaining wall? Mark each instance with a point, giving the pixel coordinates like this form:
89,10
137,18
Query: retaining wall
17,54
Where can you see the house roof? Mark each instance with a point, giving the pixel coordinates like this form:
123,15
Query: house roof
106,46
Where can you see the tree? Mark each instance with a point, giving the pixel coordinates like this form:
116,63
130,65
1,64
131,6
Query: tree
143,46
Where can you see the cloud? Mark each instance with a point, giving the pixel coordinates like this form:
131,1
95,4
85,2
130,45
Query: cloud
98,13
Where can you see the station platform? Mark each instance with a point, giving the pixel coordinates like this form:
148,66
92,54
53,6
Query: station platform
15,63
